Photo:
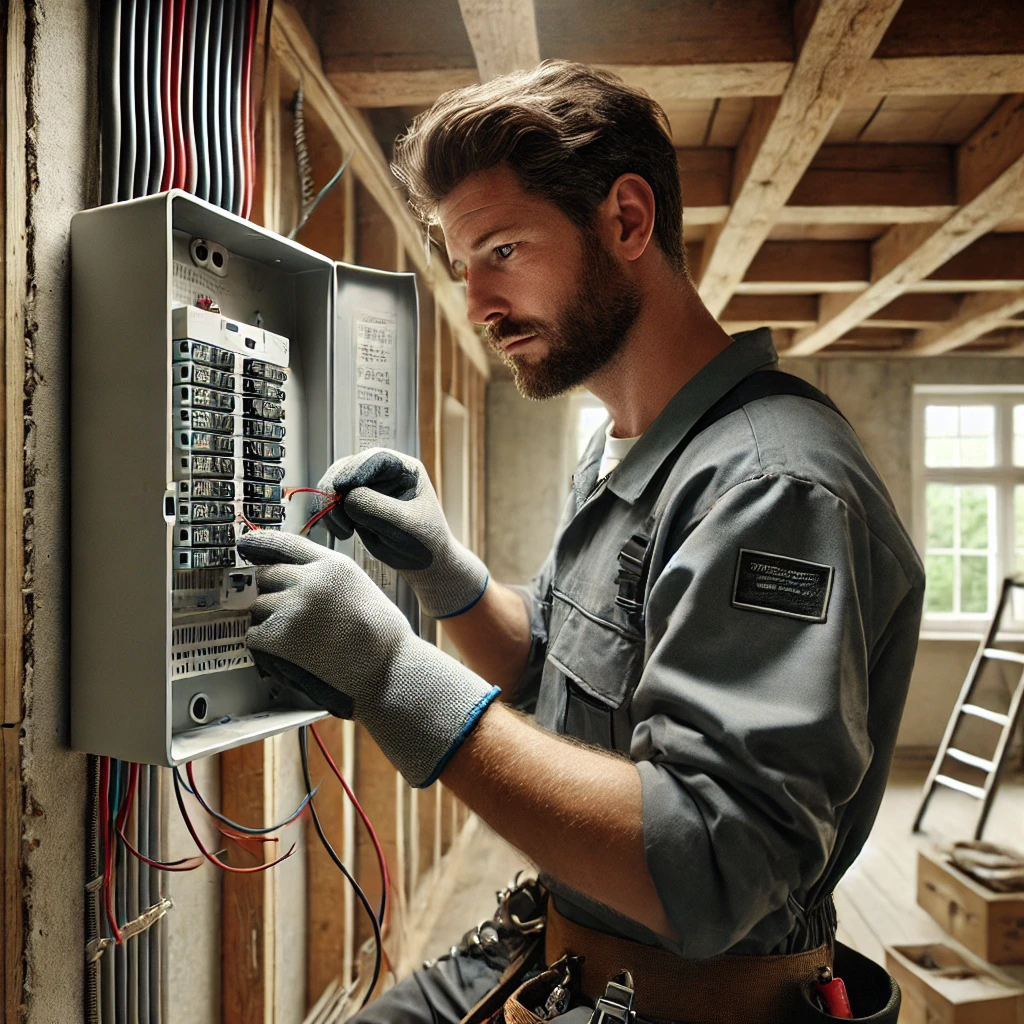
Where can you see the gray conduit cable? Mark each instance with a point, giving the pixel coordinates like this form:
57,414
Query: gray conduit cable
157,155
127,173
199,104
110,96
140,185
213,103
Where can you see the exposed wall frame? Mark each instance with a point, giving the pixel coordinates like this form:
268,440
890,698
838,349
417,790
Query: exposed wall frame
12,520
363,220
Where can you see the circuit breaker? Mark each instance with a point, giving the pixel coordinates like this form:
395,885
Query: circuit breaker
215,365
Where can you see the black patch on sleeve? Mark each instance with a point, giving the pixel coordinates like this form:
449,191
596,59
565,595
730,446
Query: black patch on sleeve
782,585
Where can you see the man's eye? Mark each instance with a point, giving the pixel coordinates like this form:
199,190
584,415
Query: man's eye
504,251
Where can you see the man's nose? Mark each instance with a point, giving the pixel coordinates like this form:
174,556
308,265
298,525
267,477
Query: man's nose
484,303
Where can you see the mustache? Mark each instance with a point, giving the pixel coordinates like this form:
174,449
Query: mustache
506,328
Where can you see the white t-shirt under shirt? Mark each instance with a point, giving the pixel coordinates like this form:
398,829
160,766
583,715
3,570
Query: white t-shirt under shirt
615,450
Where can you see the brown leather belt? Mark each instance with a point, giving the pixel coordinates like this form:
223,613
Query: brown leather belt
722,990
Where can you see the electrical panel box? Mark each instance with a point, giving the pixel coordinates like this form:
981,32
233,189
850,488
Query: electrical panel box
376,324
209,376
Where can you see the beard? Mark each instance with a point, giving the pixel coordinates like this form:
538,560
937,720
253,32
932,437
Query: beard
584,337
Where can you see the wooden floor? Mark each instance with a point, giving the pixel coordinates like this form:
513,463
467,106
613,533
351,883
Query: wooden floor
877,900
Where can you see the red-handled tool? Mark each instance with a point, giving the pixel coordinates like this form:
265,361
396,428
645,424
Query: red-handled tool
833,994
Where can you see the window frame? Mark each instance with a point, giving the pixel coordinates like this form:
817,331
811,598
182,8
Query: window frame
1003,476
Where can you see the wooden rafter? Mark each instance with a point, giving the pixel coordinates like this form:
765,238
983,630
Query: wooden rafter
990,178
784,135
503,34
978,314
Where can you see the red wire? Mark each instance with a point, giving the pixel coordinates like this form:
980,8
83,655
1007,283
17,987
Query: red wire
181,170
185,864
166,49
381,860
248,136
206,853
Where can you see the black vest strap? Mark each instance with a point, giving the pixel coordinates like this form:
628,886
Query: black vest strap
634,558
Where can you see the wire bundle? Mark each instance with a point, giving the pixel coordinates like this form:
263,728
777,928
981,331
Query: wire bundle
177,99
118,785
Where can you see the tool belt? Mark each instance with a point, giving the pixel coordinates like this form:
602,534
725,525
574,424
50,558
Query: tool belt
587,965
722,990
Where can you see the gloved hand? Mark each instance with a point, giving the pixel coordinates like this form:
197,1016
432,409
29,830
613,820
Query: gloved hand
389,500
321,625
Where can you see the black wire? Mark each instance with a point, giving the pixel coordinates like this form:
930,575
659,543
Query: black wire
244,829
357,888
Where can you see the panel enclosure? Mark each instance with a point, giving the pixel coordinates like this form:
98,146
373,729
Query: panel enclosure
376,359
135,411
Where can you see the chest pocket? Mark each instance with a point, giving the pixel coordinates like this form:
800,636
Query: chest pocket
592,668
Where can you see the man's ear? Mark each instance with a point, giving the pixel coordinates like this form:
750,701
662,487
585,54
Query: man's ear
627,216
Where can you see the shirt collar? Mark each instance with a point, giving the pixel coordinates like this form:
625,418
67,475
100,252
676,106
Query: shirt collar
749,351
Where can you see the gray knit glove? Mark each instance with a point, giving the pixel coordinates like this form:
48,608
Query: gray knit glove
389,500
322,626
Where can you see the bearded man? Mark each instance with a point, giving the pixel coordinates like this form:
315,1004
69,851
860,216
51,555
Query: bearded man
715,654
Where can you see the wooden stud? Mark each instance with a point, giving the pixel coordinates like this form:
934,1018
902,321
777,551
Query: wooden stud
12,450
399,88
247,901
375,783
785,133
427,814
326,887
907,254
376,243
13,219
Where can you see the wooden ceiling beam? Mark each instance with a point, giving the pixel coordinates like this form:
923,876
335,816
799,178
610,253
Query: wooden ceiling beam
959,75
978,314
784,134
503,34
990,174
374,89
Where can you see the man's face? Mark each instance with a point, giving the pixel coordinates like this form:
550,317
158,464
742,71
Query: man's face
555,303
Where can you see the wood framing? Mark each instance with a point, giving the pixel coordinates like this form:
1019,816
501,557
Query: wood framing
990,181
503,34
784,134
877,123
295,49
13,212
247,901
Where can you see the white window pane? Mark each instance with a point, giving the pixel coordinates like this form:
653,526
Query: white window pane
941,421
1018,435
977,420
976,451
1018,419
941,451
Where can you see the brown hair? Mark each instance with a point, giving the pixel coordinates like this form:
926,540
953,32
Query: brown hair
567,130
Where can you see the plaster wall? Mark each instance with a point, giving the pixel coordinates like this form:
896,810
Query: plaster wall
530,459
876,396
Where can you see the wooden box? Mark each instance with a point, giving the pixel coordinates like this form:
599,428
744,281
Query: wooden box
940,987
990,924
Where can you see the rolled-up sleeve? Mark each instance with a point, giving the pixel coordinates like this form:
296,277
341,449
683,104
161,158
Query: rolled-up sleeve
750,726
537,599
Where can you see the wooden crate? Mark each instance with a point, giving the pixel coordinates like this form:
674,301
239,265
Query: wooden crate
940,987
990,924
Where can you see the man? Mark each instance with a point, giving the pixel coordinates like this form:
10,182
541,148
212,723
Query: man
717,649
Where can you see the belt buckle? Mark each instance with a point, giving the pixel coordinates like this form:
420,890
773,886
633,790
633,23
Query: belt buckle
616,1005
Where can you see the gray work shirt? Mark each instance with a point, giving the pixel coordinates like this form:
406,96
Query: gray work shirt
760,694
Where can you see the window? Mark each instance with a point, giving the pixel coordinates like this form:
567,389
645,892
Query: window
969,500
589,413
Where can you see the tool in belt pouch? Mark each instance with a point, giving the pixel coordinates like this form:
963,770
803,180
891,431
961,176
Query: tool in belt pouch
722,990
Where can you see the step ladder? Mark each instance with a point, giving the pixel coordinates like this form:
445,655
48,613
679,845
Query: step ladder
987,651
